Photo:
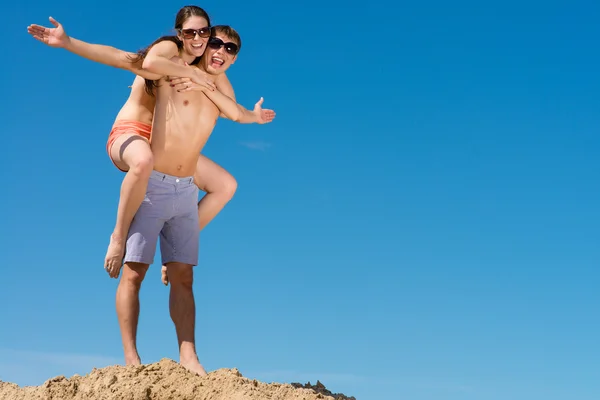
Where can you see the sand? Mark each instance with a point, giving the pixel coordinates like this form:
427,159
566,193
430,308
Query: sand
164,380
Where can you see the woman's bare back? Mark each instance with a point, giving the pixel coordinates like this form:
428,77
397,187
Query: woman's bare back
139,106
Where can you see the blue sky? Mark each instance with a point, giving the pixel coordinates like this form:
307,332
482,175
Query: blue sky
420,221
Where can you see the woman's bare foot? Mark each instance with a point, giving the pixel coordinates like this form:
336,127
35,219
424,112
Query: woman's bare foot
163,275
194,366
114,256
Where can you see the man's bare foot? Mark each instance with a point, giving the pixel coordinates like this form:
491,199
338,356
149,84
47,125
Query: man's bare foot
194,366
114,256
133,359
163,275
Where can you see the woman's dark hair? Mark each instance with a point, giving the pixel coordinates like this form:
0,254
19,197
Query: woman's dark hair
187,12
182,16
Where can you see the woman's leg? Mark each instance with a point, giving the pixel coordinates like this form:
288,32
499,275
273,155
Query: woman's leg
219,185
132,153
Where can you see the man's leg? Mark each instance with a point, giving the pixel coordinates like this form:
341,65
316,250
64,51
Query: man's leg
219,185
179,245
128,308
183,313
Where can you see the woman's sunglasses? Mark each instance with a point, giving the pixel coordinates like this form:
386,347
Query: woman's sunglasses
216,44
191,33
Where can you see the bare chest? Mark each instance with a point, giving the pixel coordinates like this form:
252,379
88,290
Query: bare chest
191,107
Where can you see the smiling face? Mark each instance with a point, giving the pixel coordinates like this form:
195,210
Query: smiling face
194,35
221,53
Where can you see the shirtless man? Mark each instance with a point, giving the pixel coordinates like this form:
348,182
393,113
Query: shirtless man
128,144
183,122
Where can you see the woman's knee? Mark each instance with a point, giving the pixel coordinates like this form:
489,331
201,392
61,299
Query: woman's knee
229,187
142,163
223,185
136,153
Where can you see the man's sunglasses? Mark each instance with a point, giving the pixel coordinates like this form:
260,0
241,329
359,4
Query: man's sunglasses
230,48
191,33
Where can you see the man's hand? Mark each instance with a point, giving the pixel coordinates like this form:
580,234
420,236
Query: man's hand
263,116
53,37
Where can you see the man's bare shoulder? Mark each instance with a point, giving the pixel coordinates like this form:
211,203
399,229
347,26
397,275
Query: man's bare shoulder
222,78
224,85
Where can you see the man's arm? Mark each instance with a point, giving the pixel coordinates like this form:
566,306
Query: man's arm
228,107
224,98
244,116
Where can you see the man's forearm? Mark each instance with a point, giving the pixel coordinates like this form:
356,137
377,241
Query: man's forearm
246,116
228,107
243,115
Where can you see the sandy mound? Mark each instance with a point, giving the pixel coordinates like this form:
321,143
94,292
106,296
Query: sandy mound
164,380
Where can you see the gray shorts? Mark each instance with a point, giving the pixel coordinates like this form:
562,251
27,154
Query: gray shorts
169,210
